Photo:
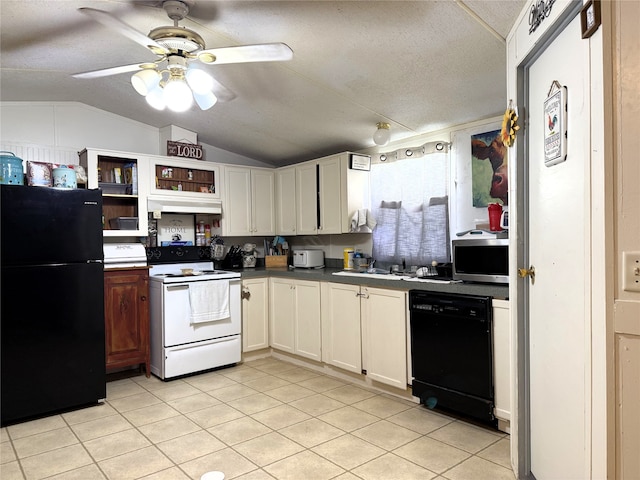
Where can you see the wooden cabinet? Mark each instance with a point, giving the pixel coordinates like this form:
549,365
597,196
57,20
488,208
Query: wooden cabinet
126,314
124,192
249,202
286,201
502,360
328,193
183,178
255,314
295,317
364,329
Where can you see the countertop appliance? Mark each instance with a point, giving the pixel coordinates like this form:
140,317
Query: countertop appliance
483,260
308,258
195,315
451,353
52,329
124,255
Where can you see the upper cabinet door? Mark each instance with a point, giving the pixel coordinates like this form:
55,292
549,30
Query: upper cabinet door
330,196
236,210
263,202
306,199
286,201
249,207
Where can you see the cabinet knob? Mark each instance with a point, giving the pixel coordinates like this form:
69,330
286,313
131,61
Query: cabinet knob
246,294
143,298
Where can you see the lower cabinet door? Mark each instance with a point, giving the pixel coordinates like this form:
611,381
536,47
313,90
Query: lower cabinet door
384,332
341,337
126,306
255,314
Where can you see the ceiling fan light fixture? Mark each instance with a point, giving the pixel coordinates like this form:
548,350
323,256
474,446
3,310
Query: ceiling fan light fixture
145,80
155,98
205,100
177,95
382,135
199,81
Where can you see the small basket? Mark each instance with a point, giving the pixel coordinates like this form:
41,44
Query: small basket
276,261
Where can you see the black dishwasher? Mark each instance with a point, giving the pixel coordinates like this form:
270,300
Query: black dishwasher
451,353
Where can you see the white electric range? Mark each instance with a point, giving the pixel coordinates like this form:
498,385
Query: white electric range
195,318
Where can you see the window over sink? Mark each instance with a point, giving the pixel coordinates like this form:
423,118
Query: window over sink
411,206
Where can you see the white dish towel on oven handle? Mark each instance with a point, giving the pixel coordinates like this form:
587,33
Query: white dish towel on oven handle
209,301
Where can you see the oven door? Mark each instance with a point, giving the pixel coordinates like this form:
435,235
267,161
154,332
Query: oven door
177,326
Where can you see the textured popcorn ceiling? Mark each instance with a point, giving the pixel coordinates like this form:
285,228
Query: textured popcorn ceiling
419,66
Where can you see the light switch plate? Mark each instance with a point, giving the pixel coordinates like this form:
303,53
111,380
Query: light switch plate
631,271
157,214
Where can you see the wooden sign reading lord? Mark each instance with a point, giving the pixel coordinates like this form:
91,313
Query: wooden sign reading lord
186,150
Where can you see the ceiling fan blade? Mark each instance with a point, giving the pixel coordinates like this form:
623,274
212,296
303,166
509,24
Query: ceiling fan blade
113,23
265,52
111,71
222,93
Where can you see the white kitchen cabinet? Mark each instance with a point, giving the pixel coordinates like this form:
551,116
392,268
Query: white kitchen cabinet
294,318
341,331
249,207
328,194
306,199
124,195
364,328
286,201
384,335
255,314
502,360
183,178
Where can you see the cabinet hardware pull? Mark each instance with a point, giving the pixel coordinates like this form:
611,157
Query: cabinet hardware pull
143,298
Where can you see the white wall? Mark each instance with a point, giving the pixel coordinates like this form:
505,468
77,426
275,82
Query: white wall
68,127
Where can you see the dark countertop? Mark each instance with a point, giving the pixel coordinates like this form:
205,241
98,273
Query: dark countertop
326,275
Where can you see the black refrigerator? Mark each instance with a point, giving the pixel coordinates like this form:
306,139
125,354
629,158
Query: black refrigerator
52,301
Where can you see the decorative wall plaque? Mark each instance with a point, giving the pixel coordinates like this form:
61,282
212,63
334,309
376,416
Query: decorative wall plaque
185,150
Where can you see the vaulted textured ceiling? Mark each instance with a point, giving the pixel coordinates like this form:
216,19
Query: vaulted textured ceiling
420,66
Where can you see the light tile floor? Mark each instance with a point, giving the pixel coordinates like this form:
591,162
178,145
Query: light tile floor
263,419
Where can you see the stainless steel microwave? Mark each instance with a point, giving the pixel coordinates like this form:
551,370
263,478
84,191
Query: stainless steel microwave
481,260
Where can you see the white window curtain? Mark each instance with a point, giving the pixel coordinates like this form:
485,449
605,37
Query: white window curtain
410,204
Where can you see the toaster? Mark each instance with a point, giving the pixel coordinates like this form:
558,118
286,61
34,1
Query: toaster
308,258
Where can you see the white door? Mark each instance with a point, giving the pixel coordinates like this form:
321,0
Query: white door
559,248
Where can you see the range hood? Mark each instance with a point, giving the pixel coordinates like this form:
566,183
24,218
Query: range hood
170,204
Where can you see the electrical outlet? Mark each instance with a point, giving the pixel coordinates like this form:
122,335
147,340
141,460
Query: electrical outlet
631,271
157,214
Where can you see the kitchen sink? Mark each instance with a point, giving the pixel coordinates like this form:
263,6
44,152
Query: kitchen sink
377,273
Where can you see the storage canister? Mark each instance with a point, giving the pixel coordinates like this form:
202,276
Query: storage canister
348,258
11,172
64,177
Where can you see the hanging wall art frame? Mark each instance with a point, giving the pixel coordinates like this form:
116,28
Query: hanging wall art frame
555,125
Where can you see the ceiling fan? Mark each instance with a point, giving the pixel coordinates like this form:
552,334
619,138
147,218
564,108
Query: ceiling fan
176,84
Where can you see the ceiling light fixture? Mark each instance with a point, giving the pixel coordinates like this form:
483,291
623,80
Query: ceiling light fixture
176,87
382,135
